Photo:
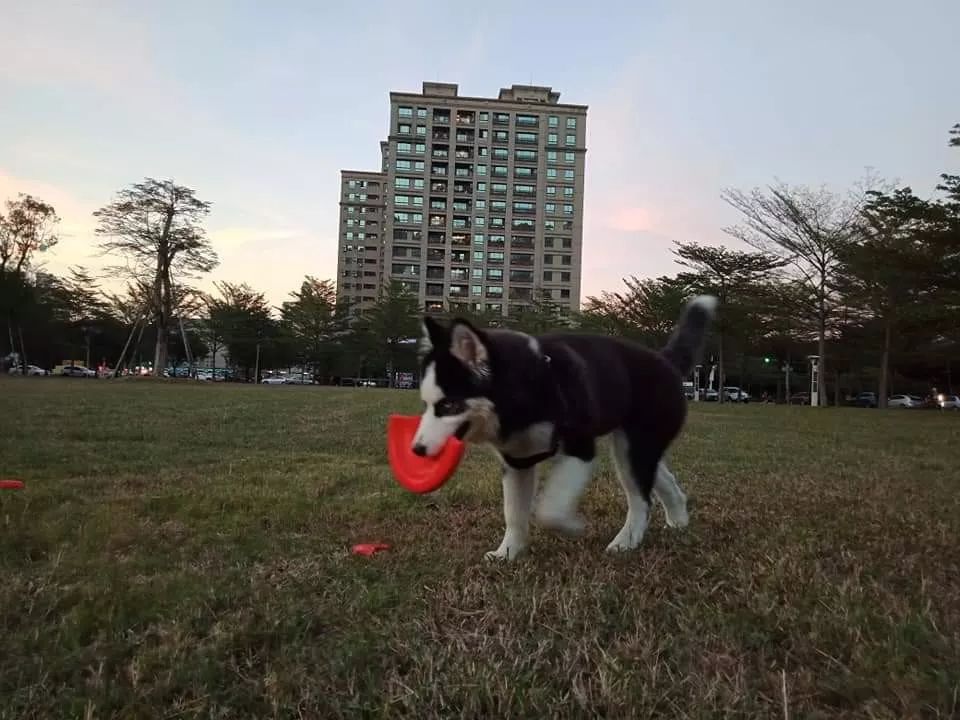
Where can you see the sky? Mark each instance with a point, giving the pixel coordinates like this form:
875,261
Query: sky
257,106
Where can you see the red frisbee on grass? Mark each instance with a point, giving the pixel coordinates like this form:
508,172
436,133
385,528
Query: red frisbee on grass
11,485
419,474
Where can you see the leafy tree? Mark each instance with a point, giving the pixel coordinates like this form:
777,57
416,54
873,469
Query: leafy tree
26,228
248,330
315,323
542,315
646,311
156,226
736,279
384,336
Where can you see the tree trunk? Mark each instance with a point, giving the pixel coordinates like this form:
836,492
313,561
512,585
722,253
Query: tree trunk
883,390
822,352
720,368
23,352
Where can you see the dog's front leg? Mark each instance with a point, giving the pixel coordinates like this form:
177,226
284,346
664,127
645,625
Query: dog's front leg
519,487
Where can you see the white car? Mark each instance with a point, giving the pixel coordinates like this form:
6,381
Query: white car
735,394
278,380
32,370
904,401
78,371
948,402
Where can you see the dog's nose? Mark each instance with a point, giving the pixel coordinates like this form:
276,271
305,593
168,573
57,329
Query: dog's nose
420,450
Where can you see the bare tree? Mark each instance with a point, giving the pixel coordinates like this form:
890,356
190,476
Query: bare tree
28,227
156,227
804,228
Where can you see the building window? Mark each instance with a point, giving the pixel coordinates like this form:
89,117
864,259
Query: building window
571,123
550,208
421,130
568,157
526,155
409,270
404,147
501,118
478,256
404,128
566,260
551,173
564,277
547,276
476,290
551,190
401,183
551,156
568,192
499,171
478,239
497,241
405,112
484,117
501,136
420,149
481,187
497,189
528,120
524,172
495,258
553,121
527,208
421,112
564,293
553,139
524,190
494,291
479,221
524,138
480,204
568,209
567,243
568,174
548,259
495,274
501,154
441,117
571,139
497,223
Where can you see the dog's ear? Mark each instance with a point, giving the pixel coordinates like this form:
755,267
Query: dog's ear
467,345
434,335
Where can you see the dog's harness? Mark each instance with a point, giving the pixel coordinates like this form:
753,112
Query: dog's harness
527,462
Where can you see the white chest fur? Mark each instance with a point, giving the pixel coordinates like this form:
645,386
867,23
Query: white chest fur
531,441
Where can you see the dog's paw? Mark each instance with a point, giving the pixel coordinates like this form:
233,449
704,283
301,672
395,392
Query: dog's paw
626,540
573,525
505,553
678,518
621,546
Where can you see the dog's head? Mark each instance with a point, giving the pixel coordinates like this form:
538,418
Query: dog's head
456,376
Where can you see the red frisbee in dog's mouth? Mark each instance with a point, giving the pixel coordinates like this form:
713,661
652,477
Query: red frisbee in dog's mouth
419,474
11,485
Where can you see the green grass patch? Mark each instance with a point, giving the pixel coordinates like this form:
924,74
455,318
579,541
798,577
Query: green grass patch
183,551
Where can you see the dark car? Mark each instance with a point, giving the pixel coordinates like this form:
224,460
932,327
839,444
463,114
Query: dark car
866,400
800,398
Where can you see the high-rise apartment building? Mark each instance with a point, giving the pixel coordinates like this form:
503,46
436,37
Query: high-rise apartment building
482,200
360,256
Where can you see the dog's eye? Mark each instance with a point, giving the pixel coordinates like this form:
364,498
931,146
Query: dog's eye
448,407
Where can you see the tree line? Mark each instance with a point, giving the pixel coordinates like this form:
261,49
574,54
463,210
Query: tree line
868,280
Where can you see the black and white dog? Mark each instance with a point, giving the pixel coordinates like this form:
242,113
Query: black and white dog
533,398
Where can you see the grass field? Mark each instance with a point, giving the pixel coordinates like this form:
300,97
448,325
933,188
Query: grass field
183,551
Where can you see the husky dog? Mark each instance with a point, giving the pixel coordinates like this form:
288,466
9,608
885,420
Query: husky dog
555,395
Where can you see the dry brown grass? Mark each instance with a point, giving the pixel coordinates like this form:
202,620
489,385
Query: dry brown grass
182,551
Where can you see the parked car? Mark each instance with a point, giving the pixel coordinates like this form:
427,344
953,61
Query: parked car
866,399
800,398
32,370
78,371
948,402
904,401
735,394
711,395
276,380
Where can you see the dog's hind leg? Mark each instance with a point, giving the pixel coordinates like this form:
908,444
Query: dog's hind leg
674,500
636,467
519,487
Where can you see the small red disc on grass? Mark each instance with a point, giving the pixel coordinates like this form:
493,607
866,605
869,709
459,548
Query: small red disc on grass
11,485
419,474
369,548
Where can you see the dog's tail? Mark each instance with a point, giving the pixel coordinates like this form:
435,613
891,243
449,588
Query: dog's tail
685,345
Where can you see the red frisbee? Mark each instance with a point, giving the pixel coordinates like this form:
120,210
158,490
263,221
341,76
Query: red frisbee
11,485
419,474
369,549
